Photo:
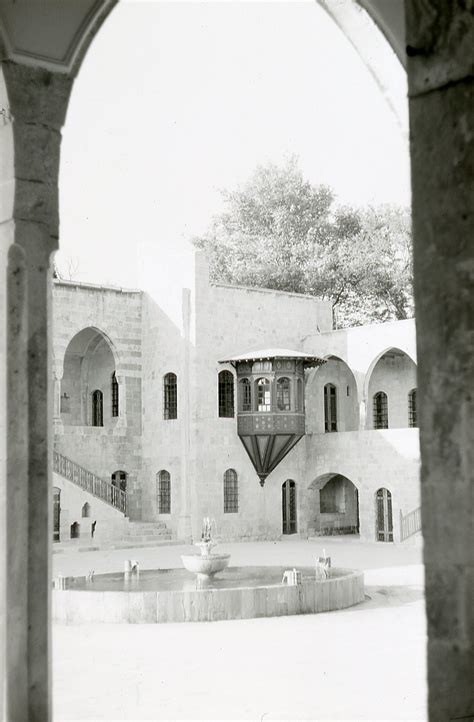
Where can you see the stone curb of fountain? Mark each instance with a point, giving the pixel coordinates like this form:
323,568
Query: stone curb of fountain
117,545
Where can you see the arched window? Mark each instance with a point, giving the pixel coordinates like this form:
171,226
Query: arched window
75,530
330,408
380,410
231,492
115,395
170,396
263,395
86,510
163,492
119,480
226,394
97,408
412,410
283,394
245,395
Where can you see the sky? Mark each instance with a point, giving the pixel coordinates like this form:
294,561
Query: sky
176,101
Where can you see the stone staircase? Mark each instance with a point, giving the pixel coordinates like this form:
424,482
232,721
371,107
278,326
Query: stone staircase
146,533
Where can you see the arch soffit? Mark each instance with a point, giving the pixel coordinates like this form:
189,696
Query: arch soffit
374,362
91,342
43,35
320,481
356,377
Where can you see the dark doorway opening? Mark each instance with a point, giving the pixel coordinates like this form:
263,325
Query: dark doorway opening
288,502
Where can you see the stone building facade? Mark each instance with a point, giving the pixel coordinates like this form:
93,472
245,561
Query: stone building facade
145,406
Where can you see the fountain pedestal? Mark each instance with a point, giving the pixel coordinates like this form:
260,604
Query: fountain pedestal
205,564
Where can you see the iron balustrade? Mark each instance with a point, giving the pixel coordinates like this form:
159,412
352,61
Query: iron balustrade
90,482
410,523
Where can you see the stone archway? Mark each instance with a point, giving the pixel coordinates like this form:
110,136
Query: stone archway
392,375
439,49
334,501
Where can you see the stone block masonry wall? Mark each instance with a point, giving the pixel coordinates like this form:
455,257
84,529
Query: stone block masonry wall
231,320
370,460
117,315
110,523
162,353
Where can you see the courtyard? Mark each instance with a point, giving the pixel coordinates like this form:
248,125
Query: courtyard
363,663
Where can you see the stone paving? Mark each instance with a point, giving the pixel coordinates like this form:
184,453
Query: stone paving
364,663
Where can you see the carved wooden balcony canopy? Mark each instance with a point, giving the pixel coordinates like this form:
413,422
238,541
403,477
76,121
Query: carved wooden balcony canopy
270,411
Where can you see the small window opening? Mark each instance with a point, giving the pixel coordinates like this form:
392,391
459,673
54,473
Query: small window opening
170,396
283,394
115,395
263,395
226,394
97,408
380,410
330,408
163,480
231,492
245,395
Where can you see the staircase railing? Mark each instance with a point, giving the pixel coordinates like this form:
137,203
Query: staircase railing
410,523
90,482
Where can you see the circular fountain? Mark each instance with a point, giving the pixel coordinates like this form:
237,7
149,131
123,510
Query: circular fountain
206,590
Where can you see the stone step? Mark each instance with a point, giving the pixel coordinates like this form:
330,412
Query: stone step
147,539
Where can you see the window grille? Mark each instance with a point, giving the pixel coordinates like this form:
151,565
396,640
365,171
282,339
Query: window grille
170,396
263,395
412,409
245,395
231,492
97,408
163,480
115,395
226,394
380,410
330,408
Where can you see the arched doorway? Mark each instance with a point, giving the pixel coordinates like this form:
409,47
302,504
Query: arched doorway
56,513
333,506
119,480
383,515
288,507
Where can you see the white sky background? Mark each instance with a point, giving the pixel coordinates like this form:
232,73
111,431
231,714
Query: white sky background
178,100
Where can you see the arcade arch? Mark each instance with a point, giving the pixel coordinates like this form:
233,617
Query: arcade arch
389,381
89,393
332,398
334,503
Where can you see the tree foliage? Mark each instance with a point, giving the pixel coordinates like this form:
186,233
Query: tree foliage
280,231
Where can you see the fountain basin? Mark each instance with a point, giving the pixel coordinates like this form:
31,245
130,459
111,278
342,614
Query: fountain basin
205,566
170,595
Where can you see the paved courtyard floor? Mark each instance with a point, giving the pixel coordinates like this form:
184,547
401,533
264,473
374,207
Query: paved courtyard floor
364,663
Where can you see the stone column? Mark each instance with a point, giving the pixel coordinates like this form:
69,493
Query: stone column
440,48
38,102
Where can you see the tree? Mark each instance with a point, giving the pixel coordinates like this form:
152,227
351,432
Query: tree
279,231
